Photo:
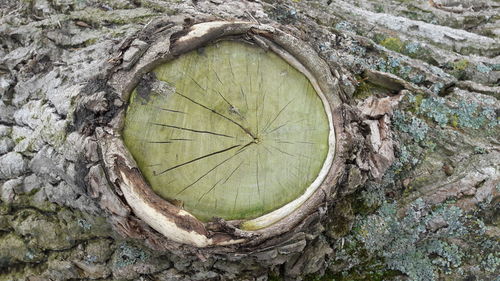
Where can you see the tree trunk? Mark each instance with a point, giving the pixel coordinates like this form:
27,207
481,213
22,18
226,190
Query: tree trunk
418,195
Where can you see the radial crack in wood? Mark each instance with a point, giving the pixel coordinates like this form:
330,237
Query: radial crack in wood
258,132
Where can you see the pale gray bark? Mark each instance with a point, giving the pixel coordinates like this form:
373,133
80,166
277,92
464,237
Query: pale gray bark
420,196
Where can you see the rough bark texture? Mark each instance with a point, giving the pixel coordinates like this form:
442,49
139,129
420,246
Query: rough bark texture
419,199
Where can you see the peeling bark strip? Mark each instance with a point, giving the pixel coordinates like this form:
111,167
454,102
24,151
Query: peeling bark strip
183,228
179,225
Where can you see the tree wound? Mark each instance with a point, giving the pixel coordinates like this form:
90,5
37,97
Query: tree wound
237,134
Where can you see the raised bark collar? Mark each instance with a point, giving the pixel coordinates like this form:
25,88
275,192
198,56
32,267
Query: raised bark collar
170,219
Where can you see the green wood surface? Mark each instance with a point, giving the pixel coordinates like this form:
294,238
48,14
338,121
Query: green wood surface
242,132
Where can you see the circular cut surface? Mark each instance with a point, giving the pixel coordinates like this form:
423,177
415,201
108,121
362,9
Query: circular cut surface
233,131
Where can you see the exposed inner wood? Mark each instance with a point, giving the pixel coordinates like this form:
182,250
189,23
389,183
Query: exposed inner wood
236,132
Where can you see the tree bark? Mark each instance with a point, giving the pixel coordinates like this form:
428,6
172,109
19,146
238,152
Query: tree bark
418,198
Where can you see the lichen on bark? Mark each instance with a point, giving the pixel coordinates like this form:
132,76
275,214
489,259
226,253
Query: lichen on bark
419,196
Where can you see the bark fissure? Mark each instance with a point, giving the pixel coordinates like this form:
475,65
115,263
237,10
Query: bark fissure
64,68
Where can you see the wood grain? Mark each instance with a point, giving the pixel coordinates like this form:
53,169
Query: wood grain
235,132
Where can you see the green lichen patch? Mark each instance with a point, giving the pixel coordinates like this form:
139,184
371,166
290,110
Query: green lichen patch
54,231
414,126
399,67
459,67
13,250
407,245
393,43
420,241
471,113
342,220
491,262
128,254
98,250
43,241
436,109
345,25
364,272
366,89
437,253
131,259
464,114
367,55
20,271
483,68
408,48
283,13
